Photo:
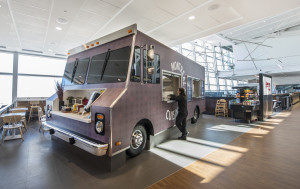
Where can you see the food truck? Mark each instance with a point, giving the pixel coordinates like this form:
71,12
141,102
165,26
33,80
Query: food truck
127,77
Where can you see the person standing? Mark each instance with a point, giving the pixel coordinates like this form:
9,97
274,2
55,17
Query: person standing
182,112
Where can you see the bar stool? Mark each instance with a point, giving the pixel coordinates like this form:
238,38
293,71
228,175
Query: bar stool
42,119
34,105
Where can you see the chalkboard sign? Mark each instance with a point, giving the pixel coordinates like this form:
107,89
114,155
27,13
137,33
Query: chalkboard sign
189,89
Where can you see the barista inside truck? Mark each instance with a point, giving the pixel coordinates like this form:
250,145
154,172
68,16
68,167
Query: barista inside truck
182,112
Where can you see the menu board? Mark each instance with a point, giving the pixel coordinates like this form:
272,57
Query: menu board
267,85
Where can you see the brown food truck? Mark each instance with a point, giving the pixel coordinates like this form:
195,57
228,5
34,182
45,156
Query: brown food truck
127,84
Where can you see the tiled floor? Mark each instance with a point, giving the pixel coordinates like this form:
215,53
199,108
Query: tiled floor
39,162
266,156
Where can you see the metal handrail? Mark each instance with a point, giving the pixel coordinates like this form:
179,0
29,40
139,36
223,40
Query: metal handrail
5,110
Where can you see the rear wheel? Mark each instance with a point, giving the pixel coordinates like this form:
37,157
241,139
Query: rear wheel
137,141
196,115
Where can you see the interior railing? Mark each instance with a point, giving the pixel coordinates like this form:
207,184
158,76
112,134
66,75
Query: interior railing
4,110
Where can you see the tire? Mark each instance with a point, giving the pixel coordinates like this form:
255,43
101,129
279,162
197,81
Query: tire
137,141
196,116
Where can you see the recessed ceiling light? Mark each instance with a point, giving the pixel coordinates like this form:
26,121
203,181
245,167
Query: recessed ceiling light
213,7
58,28
0,6
61,20
192,17
50,50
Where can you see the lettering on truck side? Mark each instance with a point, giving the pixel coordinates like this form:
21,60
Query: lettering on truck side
177,66
170,115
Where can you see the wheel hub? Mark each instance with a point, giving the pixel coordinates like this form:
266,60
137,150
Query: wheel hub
136,139
195,114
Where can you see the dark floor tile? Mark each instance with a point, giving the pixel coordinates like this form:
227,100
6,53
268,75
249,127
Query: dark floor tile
40,162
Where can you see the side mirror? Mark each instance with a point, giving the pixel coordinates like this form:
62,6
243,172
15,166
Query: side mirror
150,52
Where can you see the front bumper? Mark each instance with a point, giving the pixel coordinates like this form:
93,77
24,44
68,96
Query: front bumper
89,146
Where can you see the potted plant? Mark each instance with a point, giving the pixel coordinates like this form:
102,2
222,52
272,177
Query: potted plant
60,93
70,98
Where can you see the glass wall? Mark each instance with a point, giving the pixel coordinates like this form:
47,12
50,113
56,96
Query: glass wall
36,75
6,70
213,59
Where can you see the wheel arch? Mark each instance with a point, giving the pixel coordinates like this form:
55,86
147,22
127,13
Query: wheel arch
148,126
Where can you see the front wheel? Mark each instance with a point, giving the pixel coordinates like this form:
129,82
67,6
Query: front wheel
137,141
196,115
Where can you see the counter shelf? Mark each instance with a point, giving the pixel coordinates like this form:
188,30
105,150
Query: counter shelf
248,104
244,112
74,116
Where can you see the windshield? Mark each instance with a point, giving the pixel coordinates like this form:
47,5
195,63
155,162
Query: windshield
75,72
109,67
68,73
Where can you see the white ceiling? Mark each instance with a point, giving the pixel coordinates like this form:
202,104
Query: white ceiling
269,45
30,24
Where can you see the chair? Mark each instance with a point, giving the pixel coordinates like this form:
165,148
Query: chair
42,119
13,122
23,120
34,105
221,108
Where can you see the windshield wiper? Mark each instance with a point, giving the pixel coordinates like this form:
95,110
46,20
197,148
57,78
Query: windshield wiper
105,63
74,69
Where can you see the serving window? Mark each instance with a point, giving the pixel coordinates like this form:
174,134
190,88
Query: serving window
170,85
196,88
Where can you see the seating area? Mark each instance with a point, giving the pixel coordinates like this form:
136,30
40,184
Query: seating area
15,122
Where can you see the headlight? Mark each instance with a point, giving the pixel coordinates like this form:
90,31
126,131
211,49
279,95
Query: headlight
99,127
100,123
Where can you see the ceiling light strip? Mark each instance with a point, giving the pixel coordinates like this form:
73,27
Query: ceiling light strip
184,14
14,23
49,18
111,19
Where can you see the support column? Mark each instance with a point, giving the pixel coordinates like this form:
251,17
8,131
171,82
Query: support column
15,77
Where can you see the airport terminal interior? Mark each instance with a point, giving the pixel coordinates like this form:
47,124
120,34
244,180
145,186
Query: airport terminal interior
91,94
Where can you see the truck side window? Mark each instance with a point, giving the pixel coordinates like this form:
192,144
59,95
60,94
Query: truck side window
202,92
152,66
136,66
189,89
